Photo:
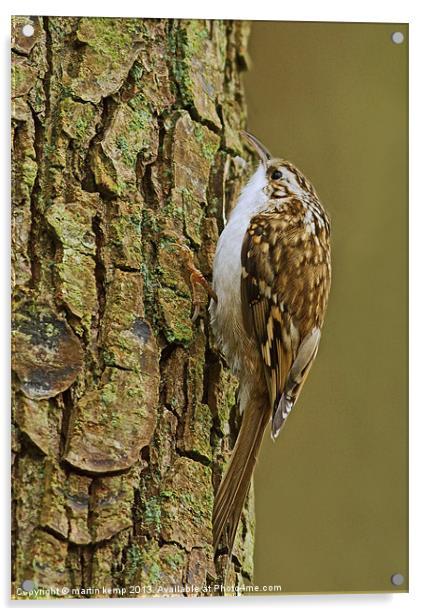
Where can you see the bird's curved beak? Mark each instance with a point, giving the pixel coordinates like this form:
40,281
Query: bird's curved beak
264,154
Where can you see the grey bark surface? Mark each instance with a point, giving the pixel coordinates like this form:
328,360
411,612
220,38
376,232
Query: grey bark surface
125,151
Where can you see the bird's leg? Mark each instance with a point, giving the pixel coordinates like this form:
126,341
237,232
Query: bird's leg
197,282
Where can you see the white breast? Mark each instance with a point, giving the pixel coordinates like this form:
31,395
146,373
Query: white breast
226,317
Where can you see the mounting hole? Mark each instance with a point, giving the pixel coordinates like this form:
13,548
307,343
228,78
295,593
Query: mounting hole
397,38
28,585
28,30
397,579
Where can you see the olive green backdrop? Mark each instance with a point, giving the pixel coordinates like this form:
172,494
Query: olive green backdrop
331,493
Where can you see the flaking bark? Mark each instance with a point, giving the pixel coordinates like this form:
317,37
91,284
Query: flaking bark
125,148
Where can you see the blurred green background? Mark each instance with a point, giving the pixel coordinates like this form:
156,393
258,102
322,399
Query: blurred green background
331,493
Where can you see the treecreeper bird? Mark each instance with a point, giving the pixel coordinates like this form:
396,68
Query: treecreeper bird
271,277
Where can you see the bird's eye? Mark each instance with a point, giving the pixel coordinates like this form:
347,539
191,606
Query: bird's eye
276,175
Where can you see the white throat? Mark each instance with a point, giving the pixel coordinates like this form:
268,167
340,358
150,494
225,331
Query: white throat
252,198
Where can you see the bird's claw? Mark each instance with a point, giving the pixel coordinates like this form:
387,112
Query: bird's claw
196,280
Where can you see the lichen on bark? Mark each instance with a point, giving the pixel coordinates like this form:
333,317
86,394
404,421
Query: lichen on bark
126,153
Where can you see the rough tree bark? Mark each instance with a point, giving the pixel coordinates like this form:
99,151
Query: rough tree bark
125,150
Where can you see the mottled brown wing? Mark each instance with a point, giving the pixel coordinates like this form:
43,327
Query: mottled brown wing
264,312
284,289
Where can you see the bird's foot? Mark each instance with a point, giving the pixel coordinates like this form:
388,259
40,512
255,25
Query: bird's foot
197,282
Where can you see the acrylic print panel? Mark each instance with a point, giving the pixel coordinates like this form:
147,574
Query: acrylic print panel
129,394
331,496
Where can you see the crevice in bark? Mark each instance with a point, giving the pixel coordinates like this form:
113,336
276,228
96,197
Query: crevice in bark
144,455
169,408
92,474
203,121
166,353
90,549
30,449
66,417
127,268
161,542
145,185
34,201
87,555
49,61
193,455
100,276
51,531
136,514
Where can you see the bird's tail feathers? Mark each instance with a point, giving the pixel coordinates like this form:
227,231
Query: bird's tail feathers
229,501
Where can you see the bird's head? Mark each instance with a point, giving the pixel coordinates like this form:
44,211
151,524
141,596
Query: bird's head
283,179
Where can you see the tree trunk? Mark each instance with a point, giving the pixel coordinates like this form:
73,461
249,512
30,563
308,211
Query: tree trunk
125,151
